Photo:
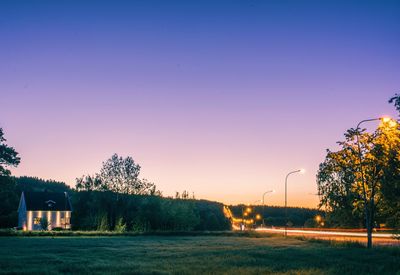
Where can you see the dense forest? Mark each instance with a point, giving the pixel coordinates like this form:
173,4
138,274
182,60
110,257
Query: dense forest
275,215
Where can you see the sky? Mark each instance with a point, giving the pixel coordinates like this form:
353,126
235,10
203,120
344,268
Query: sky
219,98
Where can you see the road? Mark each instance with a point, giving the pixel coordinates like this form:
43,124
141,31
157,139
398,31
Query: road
378,238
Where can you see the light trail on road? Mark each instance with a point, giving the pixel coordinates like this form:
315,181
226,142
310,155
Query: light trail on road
331,233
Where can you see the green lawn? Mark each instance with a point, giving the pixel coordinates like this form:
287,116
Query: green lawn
199,254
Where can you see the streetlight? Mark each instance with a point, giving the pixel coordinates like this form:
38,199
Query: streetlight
286,179
245,213
270,191
384,119
258,217
391,123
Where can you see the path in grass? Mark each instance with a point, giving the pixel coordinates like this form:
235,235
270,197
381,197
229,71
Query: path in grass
200,255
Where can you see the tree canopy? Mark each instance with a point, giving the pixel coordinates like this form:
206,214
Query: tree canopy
8,196
8,156
119,175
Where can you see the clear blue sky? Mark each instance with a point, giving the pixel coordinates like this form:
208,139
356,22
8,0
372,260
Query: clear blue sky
220,98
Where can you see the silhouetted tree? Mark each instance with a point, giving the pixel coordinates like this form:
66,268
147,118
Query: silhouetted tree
8,156
90,183
8,195
119,175
34,184
396,101
8,202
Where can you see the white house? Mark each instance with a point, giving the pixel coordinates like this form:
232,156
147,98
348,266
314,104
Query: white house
35,206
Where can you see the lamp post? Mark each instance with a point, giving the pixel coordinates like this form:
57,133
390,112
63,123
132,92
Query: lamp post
286,179
368,222
263,202
245,213
242,225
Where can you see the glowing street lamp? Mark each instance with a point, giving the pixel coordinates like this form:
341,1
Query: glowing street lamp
302,171
391,123
388,121
245,213
385,119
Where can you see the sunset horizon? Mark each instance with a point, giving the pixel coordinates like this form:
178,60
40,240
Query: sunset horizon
200,137
217,98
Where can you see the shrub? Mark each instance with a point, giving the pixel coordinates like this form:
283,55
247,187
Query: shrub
120,227
44,224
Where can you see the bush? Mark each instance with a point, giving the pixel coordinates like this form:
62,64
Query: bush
57,229
44,224
120,227
103,224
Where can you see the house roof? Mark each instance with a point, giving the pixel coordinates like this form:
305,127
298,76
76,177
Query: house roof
47,201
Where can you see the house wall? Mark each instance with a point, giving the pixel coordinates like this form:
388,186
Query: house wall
55,219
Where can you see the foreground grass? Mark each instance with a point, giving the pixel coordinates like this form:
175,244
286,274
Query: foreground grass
188,254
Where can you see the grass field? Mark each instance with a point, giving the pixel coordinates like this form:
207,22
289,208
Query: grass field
188,254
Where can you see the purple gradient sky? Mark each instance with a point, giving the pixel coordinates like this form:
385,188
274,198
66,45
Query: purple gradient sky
221,98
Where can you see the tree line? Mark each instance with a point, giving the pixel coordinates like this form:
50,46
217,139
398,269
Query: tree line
275,215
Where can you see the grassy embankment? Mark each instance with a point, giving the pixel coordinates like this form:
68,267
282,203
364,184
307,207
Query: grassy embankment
192,254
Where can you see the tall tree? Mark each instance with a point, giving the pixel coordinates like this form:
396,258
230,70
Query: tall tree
120,175
346,188
391,191
335,186
8,195
8,156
